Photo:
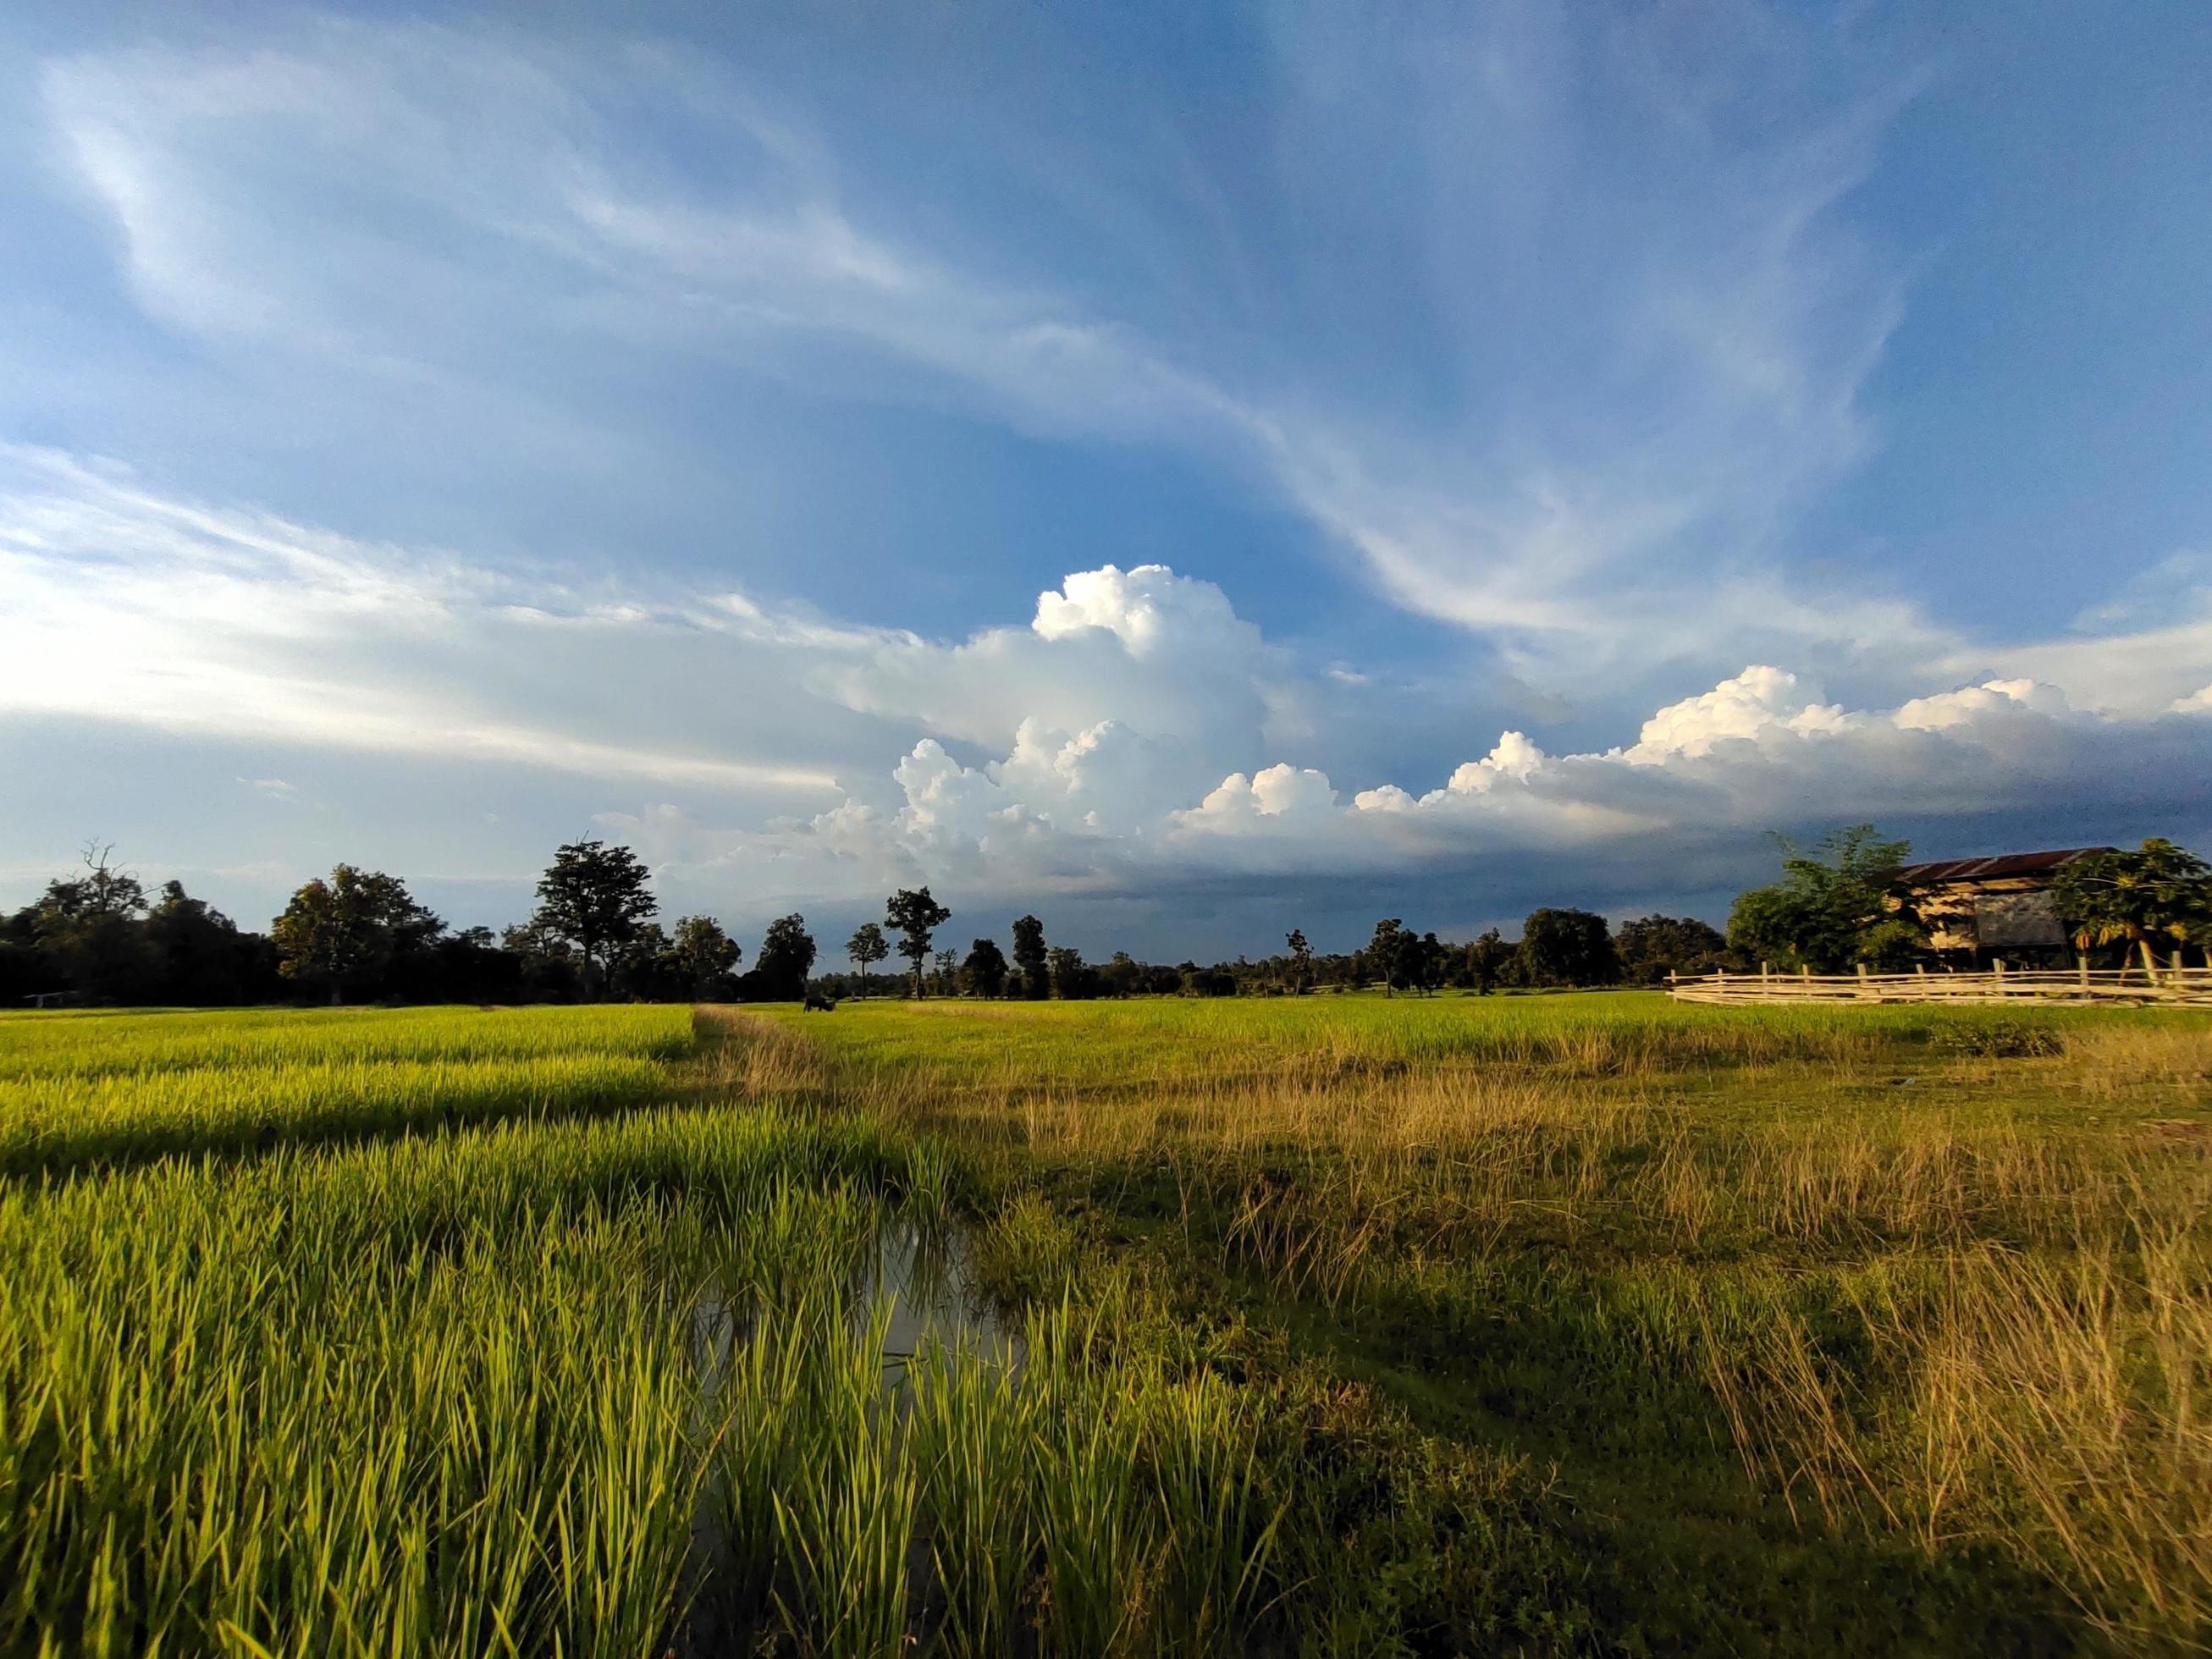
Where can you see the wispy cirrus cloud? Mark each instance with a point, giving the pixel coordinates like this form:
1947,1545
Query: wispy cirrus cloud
381,195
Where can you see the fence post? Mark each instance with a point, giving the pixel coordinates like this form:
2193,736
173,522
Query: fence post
1865,990
2082,972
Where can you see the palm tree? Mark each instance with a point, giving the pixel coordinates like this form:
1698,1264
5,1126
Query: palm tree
2157,891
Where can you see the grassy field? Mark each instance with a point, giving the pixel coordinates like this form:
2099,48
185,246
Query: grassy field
1333,1325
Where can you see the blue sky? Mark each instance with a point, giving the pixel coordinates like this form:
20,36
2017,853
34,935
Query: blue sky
1191,471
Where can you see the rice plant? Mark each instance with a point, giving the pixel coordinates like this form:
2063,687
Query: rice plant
1345,1324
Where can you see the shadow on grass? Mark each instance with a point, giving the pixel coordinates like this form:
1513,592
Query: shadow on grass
1683,1553
84,1154
1679,1549
699,1076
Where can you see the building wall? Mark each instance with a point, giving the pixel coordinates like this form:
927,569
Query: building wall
2009,913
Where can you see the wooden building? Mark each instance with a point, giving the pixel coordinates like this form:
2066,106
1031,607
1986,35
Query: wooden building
1991,907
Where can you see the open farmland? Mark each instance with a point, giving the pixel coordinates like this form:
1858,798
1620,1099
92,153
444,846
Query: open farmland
1358,1325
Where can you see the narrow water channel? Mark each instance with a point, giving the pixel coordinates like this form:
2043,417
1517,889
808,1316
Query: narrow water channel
933,1301
918,1290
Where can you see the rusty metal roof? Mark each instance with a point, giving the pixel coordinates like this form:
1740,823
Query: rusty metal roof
1986,869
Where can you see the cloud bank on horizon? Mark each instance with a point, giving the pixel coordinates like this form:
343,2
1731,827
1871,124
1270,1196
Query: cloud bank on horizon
426,443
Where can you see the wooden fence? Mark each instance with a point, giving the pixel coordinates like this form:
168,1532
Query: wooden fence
2169,986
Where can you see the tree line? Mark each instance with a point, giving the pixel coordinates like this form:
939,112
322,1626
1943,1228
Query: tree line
1556,948
358,935
98,936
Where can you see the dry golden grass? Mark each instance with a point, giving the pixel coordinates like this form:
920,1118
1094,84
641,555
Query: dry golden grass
2116,1062
2013,1243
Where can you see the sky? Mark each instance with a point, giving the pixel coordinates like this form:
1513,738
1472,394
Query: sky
1192,471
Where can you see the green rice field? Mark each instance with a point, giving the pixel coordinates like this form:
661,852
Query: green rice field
1330,1325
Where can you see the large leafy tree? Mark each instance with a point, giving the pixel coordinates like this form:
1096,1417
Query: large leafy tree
1031,957
348,930
1832,908
545,962
1302,972
1417,962
643,969
198,952
1436,961
2157,892
787,957
913,916
1381,959
867,946
1568,947
1488,960
102,890
595,896
702,957
87,928
1073,980
986,970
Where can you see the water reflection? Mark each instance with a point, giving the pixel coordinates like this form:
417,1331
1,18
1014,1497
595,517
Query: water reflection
929,1286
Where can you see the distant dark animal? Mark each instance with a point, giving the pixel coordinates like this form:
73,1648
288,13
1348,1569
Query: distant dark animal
815,999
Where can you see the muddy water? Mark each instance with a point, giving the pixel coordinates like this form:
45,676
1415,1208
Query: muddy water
934,1302
929,1289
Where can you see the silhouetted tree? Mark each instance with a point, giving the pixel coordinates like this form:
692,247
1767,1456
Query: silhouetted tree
1651,947
867,946
643,969
473,966
547,963
1300,960
86,930
1568,947
348,931
1433,963
198,955
1488,960
704,957
1404,970
985,971
1380,959
102,890
1031,955
787,956
1073,980
913,916
595,896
